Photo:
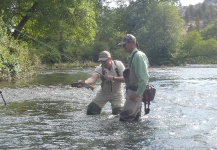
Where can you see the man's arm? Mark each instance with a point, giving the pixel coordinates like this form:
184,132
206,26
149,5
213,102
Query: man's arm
141,71
92,79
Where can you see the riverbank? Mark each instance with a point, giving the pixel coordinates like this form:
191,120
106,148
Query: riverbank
10,75
74,65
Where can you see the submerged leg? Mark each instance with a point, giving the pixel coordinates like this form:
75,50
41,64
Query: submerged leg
132,108
93,109
116,110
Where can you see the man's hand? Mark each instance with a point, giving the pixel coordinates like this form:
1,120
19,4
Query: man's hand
108,77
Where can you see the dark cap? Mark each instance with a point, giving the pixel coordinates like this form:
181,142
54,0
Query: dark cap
128,38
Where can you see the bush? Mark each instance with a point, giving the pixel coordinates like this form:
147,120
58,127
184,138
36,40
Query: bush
17,59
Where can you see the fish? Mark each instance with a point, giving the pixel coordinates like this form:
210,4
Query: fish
82,84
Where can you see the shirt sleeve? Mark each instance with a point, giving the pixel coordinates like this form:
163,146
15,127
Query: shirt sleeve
141,71
98,70
121,68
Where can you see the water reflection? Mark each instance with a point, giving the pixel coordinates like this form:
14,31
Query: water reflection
38,107
46,113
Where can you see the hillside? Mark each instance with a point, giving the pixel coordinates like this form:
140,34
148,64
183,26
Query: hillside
210,2
200,15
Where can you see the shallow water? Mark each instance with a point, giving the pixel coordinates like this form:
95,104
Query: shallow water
46,113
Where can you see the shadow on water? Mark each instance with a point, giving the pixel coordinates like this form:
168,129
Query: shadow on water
35,108
46,113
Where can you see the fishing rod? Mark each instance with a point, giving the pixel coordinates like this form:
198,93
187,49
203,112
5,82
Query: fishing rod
3,97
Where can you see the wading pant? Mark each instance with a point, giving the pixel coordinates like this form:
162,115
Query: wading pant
116,100
132,108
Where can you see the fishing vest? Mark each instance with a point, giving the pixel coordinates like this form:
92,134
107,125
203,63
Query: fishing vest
129,74
105,82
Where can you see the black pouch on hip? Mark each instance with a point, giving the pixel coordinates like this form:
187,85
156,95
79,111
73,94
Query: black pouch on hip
126,73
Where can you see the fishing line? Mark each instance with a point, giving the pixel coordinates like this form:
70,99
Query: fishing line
2,97
30,37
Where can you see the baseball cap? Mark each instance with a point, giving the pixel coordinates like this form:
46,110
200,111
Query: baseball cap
128,38
104,55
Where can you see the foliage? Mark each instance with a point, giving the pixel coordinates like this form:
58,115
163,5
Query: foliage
210,31
192,39
78,30
51,18
72,27
139,18
161,37
195,49
200,15
16,58
69,22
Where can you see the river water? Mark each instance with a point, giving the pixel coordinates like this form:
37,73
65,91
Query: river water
46,113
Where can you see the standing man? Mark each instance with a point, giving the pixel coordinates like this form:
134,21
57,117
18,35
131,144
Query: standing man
136,78
111,74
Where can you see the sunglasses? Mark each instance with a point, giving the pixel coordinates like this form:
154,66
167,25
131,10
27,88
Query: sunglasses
125,44
104,61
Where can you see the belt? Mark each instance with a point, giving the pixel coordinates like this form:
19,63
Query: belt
133,88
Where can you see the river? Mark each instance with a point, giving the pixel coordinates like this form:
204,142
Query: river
46,113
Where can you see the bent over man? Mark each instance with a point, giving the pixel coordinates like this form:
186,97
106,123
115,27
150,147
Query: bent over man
111,74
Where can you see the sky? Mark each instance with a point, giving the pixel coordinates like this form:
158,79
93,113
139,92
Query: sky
190,2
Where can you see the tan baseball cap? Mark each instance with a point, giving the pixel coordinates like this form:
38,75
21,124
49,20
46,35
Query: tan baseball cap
104,55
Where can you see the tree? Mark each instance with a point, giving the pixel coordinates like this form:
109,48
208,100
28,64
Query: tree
40,18
162,35
51,23
197,50
16,58
192,39
210,31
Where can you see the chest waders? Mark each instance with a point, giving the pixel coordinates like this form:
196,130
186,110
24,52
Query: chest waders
93,108
149,92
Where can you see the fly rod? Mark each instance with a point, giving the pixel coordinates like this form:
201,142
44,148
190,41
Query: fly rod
3,97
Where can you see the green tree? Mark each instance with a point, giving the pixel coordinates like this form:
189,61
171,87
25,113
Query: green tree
74,18
51,23
204,52
161,37
16,58
192,39
210,31
197,50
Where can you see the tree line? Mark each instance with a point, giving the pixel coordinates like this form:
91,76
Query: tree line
200,15
56,31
